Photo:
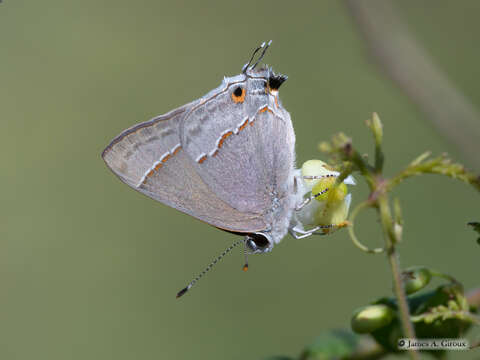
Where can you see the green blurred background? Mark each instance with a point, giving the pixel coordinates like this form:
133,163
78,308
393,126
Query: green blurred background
90,268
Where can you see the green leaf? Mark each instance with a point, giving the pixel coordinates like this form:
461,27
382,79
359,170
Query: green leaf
333,344
476,227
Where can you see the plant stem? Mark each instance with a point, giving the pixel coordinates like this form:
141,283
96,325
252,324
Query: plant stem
391,240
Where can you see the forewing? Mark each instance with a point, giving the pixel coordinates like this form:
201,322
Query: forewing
150,158
136,151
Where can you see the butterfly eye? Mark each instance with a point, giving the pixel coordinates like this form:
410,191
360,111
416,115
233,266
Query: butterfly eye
238,95
257,242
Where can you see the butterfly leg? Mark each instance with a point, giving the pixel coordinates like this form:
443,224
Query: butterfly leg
299,233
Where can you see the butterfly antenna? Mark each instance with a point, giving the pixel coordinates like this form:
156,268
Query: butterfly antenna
264,46
199,276
262,54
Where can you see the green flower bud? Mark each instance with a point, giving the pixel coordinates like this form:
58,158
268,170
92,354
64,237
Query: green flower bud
452,305
372,317
377,128
416,278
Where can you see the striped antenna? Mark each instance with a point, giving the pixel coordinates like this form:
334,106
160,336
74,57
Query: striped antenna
249,66
199,276
265,47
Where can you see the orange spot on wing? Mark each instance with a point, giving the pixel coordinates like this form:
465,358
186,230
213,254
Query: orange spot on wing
177,150
240,98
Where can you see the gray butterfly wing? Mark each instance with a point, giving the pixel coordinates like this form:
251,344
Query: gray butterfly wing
243,148
133,153
150,158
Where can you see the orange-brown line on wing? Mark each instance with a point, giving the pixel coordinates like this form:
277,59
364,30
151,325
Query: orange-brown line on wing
165,159
223,138
262,110
202,159
243,125
220,143
265,109
152,171
160,164
227,134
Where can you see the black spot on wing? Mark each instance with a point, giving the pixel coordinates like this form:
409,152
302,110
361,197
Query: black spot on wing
275,81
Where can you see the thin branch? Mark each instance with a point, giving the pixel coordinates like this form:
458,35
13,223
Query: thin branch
440,165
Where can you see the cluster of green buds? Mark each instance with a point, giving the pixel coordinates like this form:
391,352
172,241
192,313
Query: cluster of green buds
441,313
329,207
